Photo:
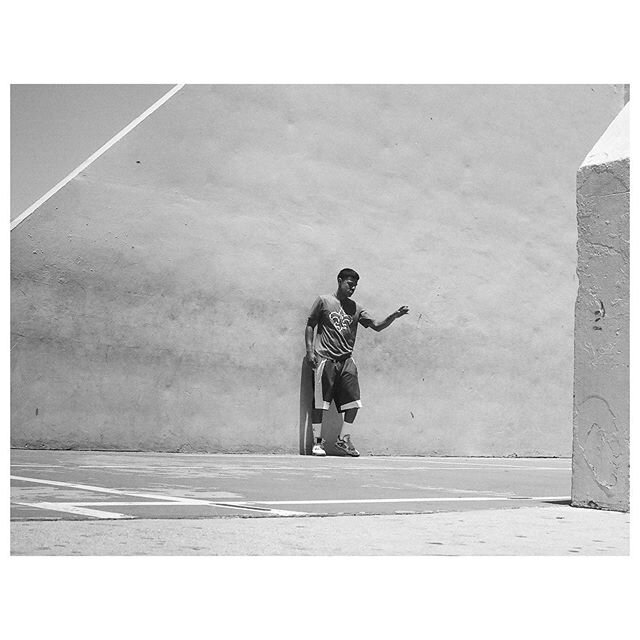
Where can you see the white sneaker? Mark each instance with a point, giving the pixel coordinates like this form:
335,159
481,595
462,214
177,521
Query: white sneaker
318,449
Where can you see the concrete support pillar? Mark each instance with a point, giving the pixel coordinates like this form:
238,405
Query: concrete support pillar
600,476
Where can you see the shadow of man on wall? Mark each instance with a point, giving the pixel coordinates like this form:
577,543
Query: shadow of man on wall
331,422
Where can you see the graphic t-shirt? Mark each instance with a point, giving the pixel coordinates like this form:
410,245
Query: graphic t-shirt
337,324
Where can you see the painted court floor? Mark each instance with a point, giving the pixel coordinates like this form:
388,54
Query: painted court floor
92,485
55,494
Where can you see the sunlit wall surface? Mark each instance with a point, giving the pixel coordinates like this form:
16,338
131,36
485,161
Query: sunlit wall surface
159,299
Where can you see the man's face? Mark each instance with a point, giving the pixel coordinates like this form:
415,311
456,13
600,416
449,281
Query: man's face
347,286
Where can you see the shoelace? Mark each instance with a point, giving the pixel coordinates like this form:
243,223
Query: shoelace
347,441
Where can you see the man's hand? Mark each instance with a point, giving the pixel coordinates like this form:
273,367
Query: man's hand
311,360
402,311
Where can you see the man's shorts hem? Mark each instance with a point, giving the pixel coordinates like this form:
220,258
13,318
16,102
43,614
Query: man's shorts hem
351,405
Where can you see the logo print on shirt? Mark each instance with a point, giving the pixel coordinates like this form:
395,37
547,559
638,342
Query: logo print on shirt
341,321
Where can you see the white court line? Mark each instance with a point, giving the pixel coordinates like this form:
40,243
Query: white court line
106,503
126,467
25,214
161,500
35,465
88,487
246,505
231,469
80,508
439,499
251,505
75,509
137,469
182,503
228,470
480,465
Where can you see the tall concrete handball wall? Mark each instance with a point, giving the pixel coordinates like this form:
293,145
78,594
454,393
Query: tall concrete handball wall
601,386
159,299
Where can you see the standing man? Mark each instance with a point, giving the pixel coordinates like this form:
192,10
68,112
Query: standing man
336,318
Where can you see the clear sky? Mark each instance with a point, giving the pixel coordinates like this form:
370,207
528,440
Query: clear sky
56,127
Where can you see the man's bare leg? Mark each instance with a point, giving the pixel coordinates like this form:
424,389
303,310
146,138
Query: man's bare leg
344,439
347,425
316,424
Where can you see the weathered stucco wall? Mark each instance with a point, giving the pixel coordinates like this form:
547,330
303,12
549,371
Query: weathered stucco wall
601,389
159,299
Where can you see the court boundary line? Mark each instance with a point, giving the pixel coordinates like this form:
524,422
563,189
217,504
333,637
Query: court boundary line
316,466
154,500
94,156
432,499
80,507
84,508
68,507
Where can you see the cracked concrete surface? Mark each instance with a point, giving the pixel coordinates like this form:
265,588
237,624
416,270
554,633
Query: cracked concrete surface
533,531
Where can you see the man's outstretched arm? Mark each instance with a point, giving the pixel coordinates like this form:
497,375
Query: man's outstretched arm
383,324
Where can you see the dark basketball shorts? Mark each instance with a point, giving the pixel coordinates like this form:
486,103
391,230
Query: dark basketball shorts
337,381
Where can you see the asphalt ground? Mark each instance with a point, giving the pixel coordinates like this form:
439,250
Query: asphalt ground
114,503
80,485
